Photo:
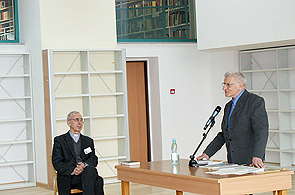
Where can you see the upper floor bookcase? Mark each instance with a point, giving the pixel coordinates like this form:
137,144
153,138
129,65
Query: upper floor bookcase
156,20
8,21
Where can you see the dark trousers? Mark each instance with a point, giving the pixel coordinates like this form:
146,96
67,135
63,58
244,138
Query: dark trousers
89,182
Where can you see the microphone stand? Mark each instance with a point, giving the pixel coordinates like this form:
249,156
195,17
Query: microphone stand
193,162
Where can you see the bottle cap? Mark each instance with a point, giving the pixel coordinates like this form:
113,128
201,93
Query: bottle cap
174,140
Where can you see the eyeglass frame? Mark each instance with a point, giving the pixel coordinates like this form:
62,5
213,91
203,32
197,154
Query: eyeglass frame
228,85
77,119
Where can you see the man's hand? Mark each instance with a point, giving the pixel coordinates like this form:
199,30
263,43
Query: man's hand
203,156
257,162
79,168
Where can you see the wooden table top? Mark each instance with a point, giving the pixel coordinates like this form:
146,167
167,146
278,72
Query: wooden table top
182,169
196,180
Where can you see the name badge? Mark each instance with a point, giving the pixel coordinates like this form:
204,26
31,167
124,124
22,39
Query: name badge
87,150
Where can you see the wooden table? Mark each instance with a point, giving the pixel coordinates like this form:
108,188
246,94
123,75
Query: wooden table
193,179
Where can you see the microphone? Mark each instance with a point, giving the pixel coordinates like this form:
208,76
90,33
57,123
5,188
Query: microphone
212,117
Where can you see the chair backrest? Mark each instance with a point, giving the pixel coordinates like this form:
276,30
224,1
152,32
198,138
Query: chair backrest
73,191
54,173
52,168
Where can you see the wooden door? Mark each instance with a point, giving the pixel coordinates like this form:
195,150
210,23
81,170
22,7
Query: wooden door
138,111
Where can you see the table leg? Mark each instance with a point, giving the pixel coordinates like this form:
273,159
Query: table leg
280,192
179,192
125,187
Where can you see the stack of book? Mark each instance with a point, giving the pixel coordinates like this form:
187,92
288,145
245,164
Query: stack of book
130,163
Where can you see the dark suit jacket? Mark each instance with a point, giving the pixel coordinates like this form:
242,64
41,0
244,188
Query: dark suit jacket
63,158
248,131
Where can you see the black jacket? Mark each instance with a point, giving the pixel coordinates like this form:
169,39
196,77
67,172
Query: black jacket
248,131
63,157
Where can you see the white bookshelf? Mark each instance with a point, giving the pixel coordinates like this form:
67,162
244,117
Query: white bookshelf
270,73
17,158
92,82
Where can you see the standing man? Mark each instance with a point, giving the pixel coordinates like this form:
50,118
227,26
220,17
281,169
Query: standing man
74,159
244,125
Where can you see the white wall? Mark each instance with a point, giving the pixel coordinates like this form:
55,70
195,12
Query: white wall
245,24
76,24
30,34
184,114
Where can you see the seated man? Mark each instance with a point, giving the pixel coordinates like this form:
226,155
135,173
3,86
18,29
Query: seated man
74,159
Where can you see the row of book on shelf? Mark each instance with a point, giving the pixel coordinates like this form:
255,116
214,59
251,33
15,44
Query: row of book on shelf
176,2
140,25
7,36
175,18
139,12
172,19
6,15
153,3
6,11
149,25
5,4
151,35
178,33
179,15
6,27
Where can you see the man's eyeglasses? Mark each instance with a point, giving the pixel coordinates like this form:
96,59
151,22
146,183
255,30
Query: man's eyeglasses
78,119
228,85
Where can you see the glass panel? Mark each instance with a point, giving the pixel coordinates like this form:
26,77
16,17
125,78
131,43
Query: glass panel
152,19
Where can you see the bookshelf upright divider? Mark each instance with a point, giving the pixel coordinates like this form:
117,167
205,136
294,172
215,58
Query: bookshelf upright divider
92,82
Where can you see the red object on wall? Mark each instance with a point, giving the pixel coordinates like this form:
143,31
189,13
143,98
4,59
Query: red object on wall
172,91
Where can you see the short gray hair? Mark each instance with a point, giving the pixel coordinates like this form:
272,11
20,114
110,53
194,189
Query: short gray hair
237,75
69,115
